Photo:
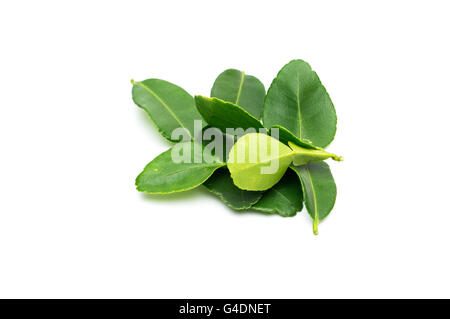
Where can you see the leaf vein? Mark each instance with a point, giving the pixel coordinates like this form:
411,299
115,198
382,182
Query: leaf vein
282,195
316,213
298,106
240,87
160,100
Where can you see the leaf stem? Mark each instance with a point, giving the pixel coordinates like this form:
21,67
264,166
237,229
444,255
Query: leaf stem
316,226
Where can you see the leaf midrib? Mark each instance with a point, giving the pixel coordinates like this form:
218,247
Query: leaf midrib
282,195
160,100
316,213
240,87
298,106
218,165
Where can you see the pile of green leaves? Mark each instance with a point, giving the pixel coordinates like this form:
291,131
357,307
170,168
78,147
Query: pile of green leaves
296,106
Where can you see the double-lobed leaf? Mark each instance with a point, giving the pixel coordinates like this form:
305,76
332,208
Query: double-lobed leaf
241,89
168,106
319,190
306,155
288,191
284,199
304,152
298,101
163,175
258,161
296,107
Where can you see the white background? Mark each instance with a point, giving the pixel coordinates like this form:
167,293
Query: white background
72,142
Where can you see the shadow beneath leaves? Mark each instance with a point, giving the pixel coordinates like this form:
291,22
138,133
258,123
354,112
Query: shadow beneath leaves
175,197
145,120
250,212
244,212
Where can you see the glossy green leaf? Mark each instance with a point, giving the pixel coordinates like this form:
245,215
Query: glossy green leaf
319,190
304,155
298,101
221,184
285,198
163,175
168,106
285,136
223,115
304,151
213,137
241,89
258,161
